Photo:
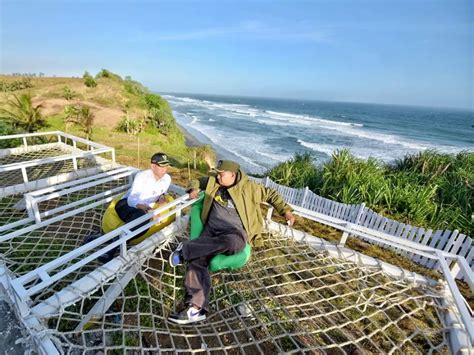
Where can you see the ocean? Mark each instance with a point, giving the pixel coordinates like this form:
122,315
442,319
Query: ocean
262,132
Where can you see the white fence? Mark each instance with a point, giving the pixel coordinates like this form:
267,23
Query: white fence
451,242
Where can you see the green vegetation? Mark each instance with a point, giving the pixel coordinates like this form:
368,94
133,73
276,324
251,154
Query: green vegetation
69,94
89,80
21,114
80,115
24,83
122,113
428,189
130,125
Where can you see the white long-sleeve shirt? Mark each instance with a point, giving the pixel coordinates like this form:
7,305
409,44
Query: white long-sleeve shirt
146,189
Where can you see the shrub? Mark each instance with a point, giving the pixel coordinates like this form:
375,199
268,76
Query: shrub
133,87
5,130
104,73
68,93
89,80
22,114
428,189
24,83
130,125
80,115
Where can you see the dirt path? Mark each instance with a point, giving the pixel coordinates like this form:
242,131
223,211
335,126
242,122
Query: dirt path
103,116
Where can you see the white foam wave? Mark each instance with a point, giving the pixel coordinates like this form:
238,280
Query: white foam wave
295,118
275,157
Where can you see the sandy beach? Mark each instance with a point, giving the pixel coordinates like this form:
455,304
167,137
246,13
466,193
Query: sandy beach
191,141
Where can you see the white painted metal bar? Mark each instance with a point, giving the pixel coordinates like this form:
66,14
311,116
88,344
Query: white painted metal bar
83,186
31,323
90,282
458,299
81,181
368,233
108,298
115,191
28,229
42,161
123,232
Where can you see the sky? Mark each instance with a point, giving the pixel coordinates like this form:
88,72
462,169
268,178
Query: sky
416,52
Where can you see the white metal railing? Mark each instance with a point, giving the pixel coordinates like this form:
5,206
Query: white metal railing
459,264
44,276
58,134
359,215
32,199
95,149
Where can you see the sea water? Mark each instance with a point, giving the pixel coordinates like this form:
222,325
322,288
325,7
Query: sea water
261,132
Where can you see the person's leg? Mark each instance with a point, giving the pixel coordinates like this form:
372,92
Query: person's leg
199,253
198,283
128,214
207,246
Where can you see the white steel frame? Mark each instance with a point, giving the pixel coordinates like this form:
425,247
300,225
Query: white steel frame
95,149
32,199
459,263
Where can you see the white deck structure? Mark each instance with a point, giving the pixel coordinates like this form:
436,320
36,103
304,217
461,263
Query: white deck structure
298,294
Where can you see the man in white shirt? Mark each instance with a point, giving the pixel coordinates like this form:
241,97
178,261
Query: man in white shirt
149,186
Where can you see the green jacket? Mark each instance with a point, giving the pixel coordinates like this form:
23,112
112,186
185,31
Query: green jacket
247,197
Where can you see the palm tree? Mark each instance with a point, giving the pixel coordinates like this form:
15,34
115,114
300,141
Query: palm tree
22,114
80,115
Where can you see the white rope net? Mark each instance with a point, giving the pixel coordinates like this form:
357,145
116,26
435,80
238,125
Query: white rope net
13,177
288,298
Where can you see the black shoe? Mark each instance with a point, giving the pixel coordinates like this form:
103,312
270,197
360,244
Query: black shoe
188,315
176,257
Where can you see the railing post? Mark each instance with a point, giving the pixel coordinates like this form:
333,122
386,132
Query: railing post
269,213
265,181
123,245
23,172
359,213
59,138
74,162
25,142
305,194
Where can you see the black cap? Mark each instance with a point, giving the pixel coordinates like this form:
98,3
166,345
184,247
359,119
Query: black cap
160,159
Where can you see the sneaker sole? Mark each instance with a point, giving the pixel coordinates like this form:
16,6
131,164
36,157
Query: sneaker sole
170,260
188,321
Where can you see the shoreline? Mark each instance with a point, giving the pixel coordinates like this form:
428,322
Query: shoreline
190,140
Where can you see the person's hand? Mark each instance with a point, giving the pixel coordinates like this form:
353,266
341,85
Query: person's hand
143,207
194,193
290,219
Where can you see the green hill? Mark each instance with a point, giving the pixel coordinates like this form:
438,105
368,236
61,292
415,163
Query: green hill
108,109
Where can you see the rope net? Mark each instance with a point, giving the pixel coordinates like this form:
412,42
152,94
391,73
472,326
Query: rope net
13,177
28,251
288,298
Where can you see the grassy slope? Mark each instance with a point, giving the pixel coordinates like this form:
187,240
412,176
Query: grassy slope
109,102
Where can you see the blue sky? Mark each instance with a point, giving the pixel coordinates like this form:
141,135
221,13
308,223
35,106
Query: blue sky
415,52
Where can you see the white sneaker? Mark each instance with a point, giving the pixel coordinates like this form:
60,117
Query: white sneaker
188,315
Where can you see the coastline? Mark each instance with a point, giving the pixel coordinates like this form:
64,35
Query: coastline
190,140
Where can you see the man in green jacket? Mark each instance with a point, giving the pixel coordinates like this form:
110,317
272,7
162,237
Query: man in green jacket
232,217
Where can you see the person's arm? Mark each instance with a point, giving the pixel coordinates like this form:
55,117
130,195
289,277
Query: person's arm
197,185
276,200
138,185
